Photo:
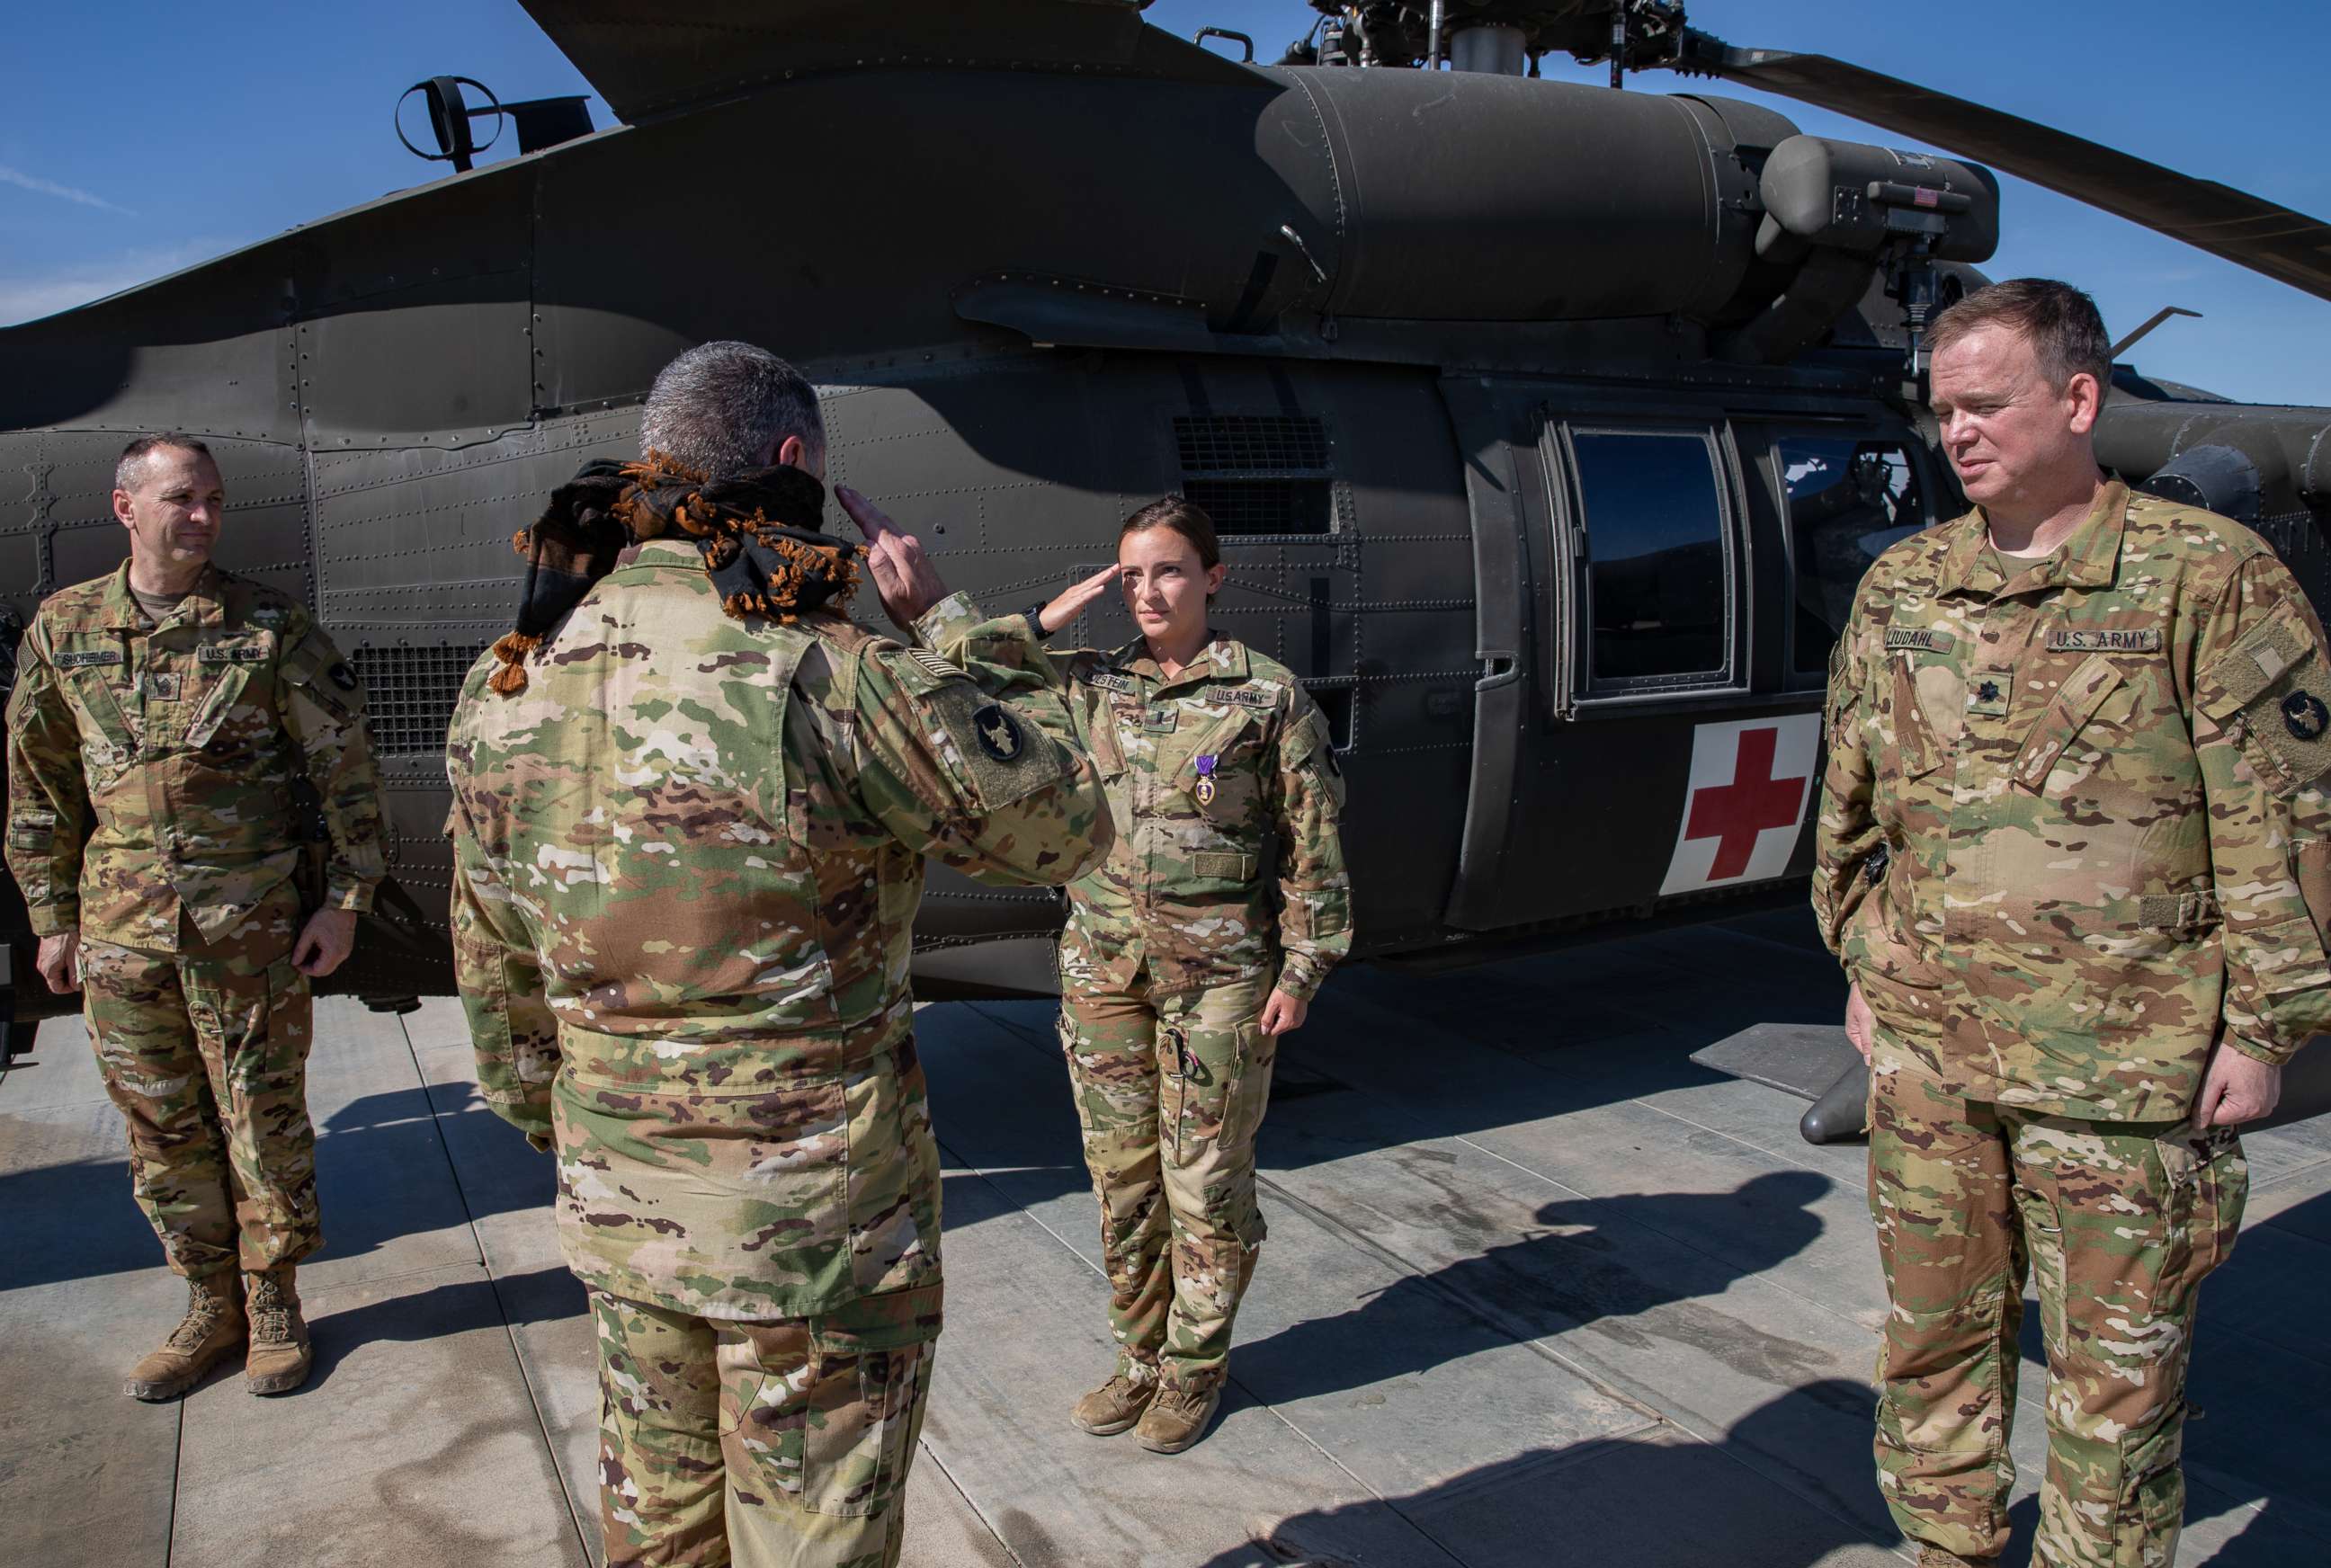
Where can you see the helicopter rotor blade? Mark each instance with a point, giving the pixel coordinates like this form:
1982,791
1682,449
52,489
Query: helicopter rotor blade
2285,245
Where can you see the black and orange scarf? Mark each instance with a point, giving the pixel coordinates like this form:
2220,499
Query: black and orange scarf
757,532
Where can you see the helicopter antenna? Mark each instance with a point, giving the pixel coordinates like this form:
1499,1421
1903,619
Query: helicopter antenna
2163,314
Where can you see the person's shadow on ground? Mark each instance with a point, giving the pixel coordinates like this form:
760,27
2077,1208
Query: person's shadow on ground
1586,1268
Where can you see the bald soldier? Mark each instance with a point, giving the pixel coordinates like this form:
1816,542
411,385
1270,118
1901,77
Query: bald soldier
691,802
161,719
2073,851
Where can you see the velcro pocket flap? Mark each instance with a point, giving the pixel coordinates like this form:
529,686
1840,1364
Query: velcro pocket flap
32,830
2094,680
1225,866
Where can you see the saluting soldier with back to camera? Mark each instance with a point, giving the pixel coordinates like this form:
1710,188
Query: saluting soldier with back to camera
161,720
2075,851
691,801
1189,951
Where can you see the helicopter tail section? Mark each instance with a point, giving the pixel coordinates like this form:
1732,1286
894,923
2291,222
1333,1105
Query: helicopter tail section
647,59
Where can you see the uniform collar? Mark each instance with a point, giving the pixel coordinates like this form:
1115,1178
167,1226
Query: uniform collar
1222,659
206,600
2090,558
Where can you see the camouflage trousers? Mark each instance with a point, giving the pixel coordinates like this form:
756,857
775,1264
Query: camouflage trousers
2119,1221
780,1444
205,1052
1170,1091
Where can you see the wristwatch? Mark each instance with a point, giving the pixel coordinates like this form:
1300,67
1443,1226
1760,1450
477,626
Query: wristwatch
1034,615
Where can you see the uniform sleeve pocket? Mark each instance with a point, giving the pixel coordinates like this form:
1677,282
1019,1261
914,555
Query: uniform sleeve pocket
2273,688
2075,705
2283,957
34,831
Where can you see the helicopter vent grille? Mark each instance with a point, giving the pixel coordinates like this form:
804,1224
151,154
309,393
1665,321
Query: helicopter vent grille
1257,473
410,692
1251,444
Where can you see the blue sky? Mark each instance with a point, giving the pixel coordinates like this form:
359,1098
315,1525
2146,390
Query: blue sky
139,138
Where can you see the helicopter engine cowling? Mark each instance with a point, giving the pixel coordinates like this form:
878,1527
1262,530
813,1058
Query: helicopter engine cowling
1475,196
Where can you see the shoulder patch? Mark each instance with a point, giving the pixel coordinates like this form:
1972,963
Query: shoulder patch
271,616
2104,640
2275,684
1007,757
933,665
1933,639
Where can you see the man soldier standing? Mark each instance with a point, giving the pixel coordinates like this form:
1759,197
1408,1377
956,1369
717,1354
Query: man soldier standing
161,720
2073,851
690,805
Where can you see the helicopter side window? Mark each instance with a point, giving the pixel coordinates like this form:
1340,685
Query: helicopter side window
1849,500
1651,503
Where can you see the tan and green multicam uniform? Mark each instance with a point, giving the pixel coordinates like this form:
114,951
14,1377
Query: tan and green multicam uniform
151,808
2073,834
687,858
1173,945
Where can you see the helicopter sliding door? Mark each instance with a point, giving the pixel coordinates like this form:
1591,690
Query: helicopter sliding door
1659,585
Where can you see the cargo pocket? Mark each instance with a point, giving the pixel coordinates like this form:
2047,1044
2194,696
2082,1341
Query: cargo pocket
859,1422
2152,1506
2075,704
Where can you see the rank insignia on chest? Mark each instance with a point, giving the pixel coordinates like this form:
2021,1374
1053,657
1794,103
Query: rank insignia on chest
2305,715
1160,720
1206,790
1989,692
162,684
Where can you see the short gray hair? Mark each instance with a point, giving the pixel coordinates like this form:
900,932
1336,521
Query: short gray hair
129,472
720,407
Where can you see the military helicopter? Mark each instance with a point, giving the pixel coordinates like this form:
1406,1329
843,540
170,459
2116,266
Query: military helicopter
1545,425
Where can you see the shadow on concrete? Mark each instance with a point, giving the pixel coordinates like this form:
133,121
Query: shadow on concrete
1652,1499
382,1172
1573,1276
541,1297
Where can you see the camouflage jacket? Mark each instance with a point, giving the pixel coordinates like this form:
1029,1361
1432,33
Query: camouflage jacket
2073,824
150,769
687,858
1207,772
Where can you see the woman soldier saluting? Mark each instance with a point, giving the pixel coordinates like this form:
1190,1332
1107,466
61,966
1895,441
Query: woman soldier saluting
1177,973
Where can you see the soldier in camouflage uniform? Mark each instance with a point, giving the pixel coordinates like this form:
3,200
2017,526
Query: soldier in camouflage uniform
1179,968
689,816
2076,855
160,718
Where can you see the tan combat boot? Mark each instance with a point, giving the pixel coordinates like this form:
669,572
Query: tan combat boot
1933,1556
1177,1418
212,1327
1116,1404
279,1356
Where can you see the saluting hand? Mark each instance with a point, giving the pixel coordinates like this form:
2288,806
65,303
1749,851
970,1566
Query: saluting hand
908,583
1072,603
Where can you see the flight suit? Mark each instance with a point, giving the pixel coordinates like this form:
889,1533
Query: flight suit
151,771
1173,945
2073,835
688,856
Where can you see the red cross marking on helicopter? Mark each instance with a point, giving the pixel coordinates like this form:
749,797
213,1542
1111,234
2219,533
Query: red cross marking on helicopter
1734,814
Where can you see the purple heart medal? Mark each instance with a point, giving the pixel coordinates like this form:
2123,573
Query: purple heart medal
1205,791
